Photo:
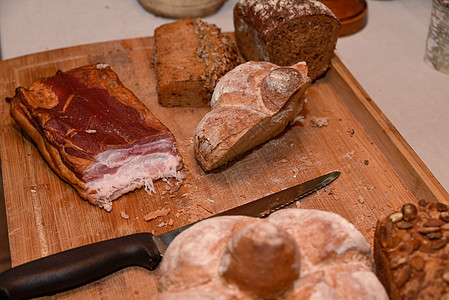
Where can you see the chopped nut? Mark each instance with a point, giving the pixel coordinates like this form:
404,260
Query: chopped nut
422,202
417,263
446,277
404,225
405,249
415,244
434,223
445,227
397,262
445,297
439,243
441,207
426,230
434,235
444,216
396,217
409,211
401,276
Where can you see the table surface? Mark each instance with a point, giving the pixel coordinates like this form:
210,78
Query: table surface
386,57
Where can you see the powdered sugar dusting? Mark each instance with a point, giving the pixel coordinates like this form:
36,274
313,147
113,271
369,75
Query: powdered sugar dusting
345,235
278,81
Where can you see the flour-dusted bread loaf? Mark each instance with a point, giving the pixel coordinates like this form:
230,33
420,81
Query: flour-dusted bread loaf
293,254
285,32
251,104
190,56
95,133
411,252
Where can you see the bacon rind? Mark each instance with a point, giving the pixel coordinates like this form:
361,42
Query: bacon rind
90,129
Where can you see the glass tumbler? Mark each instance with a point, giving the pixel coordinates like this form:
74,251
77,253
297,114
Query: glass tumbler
437,46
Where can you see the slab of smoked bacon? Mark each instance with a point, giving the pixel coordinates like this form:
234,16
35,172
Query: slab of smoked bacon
95,133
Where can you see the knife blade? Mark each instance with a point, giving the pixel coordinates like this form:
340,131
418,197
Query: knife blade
78,266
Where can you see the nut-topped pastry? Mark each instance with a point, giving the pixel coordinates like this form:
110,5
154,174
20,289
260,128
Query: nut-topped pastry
411,251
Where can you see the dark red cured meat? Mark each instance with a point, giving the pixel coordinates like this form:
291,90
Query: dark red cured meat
85,112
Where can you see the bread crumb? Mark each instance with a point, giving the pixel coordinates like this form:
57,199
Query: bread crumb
156,214
351,132
206,205
319,121
175,188
124,214
361,199
350,154
328,191
298,119
167,181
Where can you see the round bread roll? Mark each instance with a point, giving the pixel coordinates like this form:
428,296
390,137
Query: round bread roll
292,254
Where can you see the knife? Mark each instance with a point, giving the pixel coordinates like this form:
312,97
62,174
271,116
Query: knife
78,266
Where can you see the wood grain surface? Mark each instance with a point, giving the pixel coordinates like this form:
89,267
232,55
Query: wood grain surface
380,171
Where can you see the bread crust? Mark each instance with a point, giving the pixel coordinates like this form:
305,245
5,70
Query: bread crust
293,254
411,251
251,104
190,56
287,31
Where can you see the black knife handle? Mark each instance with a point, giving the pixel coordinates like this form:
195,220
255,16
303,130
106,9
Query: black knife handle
78,266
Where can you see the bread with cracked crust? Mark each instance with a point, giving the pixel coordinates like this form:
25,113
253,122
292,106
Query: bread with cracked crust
251,104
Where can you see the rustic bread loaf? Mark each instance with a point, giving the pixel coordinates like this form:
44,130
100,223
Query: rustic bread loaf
411,252
285,32
95,133
190,56
293,254
250,105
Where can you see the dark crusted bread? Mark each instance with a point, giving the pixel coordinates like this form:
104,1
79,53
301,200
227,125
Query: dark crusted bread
95,133
191,55
411,252
285,32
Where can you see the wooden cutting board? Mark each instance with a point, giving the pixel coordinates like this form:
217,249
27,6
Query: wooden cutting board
380,171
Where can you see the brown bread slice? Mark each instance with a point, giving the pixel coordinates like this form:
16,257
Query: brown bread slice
191,55
285,32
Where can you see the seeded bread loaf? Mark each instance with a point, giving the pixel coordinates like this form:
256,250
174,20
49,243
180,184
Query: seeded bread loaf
411,252
285,32
292,254
190,57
